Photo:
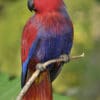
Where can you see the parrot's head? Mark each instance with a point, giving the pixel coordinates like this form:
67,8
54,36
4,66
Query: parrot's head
45,5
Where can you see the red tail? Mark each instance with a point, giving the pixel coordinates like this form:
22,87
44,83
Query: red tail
41,89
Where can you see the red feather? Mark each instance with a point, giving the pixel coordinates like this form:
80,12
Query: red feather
28,37
41,89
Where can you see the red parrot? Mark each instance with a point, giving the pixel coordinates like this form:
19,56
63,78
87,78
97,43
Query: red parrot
47,35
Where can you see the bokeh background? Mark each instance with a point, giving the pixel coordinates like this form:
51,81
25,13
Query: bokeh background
80,79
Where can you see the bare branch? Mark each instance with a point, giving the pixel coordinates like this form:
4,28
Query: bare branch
28,84
42,66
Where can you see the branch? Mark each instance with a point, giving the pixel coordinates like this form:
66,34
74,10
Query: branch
41,67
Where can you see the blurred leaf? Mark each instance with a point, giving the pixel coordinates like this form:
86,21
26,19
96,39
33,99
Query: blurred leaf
10,89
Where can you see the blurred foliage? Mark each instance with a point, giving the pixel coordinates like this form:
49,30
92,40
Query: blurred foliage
81,77
9,89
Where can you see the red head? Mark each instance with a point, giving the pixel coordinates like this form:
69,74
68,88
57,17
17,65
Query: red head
45,5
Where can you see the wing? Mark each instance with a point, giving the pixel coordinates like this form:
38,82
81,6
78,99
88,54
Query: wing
28,48
67,45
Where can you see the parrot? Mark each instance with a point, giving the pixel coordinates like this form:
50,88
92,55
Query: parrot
47,35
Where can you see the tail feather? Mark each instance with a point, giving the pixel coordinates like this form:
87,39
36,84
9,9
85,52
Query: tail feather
41,89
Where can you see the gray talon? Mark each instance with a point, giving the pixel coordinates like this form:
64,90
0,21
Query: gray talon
40,67
65,57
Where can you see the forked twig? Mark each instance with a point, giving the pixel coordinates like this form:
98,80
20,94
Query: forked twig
41,67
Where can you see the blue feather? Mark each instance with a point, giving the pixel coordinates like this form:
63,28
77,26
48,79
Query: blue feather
25,64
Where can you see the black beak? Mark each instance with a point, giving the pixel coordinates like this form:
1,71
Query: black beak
30,5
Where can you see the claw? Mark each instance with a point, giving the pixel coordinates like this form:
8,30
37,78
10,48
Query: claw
65,57
40,67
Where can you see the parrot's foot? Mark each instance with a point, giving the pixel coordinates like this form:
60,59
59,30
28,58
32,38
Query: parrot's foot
40,67
65,57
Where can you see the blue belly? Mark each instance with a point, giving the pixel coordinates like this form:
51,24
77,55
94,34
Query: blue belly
53,47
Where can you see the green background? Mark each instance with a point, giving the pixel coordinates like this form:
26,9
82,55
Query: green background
79,79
